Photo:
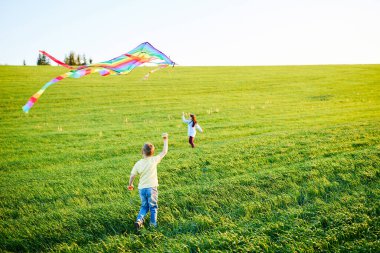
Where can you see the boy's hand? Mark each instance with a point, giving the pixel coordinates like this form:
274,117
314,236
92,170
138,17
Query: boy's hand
130,187
165,136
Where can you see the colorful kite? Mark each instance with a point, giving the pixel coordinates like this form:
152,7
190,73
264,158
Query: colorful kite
144,53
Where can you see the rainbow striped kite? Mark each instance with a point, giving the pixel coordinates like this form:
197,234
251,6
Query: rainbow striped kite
143,53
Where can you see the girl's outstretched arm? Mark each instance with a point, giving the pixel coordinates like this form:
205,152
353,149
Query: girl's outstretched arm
199,128
185,120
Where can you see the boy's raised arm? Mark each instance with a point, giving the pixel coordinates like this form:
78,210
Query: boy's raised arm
165,149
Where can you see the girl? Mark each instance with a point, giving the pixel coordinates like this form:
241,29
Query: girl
191,125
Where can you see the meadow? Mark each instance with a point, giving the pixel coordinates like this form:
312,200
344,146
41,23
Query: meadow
289,160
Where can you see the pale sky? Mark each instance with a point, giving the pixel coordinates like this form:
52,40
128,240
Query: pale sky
195,32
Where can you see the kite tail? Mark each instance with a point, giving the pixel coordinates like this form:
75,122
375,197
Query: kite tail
56,60
33,99
154,70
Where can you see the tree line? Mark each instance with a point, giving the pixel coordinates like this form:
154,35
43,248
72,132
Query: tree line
71,59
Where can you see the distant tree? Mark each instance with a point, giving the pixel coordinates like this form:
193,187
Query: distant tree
42,60
84,62
90,61
24,62
45,61
77,62
74,59
39,59
70,59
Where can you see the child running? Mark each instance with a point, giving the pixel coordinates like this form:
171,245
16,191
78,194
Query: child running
192,124
147,169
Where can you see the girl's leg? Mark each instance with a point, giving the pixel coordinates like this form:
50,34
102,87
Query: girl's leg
144,205
191,141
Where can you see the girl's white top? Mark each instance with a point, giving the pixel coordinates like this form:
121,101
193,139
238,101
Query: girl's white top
190,129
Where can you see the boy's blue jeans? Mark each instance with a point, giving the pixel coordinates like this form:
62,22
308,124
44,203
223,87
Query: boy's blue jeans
149,199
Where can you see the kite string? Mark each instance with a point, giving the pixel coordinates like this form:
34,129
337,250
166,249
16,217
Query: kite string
154,70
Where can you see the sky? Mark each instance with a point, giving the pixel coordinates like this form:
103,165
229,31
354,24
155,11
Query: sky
195,32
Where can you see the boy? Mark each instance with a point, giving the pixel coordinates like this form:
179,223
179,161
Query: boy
147,169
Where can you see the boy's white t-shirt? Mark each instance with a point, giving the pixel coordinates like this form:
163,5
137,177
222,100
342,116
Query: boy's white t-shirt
147,169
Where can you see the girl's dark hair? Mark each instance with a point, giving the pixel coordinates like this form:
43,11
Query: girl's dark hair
193,119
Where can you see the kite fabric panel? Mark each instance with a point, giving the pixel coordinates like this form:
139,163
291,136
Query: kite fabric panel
121,65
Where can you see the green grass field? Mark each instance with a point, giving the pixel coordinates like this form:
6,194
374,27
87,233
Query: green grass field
289,160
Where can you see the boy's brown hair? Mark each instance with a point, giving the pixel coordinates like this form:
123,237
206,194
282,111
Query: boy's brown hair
148,149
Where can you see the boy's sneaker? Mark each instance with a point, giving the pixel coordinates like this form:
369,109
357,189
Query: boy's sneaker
138,225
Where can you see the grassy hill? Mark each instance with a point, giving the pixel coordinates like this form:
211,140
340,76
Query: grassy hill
289,160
